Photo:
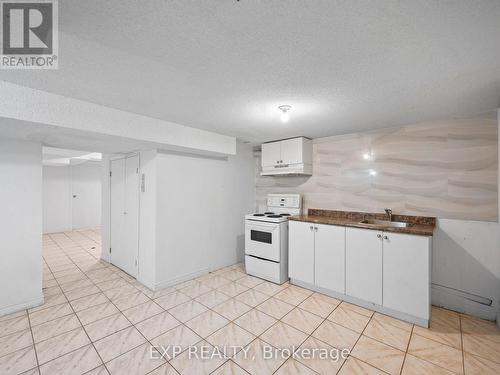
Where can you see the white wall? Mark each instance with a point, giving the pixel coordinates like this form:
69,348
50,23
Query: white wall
61,211
20,225
201,207
466,256
191,213
148,219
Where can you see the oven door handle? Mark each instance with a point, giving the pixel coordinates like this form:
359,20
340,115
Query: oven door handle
268,228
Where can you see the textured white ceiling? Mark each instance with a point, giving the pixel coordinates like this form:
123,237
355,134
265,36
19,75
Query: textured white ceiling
62,157
225,65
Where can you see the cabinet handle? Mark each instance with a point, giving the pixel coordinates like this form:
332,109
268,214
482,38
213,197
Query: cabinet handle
379,235
281,161
316,229
386,238
311,227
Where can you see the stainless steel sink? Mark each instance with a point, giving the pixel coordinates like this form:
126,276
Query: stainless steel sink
386,223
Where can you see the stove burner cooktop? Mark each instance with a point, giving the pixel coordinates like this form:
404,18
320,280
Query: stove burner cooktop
259,215
268,213
274,216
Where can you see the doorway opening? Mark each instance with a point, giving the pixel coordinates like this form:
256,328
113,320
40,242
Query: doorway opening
72,185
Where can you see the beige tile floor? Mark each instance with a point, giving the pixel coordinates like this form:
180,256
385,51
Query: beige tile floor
98,320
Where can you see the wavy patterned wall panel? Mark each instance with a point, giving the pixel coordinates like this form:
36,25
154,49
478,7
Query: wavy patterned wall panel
446,169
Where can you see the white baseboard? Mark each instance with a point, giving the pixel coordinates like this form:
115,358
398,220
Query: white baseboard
180,279
150,284
423,322
440,297
22,306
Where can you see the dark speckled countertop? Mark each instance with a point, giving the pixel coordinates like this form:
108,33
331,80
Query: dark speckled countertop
420,225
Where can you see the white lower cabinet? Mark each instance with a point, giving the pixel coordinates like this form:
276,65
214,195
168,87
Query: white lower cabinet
406,268
301,251
329,245
364,264
389,271
317,255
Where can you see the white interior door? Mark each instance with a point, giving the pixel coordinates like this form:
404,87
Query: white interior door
125,213
86,195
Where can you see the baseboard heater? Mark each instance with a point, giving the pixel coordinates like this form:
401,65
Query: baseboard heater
466,295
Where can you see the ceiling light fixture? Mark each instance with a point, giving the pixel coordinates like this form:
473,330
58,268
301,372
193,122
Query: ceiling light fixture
285,116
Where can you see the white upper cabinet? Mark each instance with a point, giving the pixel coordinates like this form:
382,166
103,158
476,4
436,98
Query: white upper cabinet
292,151
407,273
271,153
364,264
289,156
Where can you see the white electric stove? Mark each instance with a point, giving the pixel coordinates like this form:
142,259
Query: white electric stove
266,237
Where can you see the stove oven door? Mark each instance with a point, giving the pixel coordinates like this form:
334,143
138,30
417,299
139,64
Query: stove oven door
262,240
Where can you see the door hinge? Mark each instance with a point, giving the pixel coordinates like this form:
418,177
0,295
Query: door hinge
136,262
110,250
137,170
110,173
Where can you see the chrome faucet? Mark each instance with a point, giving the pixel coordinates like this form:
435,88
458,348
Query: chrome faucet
388,211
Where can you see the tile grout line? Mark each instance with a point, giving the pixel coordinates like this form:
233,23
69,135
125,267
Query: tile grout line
75,256
92,342
78,318
307,338
211,309
360,335
269,296
406,351
462,343
427,361
33,339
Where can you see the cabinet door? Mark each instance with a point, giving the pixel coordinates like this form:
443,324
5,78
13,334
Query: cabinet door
291,151
364,264
407,273
301,251
329,244
271,154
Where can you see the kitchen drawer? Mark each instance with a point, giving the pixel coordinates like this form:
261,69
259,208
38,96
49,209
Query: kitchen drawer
263,268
